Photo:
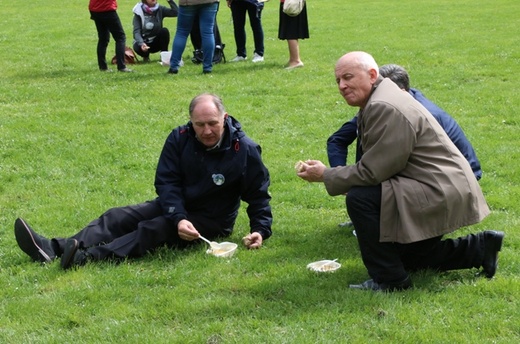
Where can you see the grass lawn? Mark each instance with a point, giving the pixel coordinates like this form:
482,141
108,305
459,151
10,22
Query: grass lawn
75,142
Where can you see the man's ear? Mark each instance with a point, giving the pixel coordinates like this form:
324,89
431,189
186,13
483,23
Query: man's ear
372,72
226,115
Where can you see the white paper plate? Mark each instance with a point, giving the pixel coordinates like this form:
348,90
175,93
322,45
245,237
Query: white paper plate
225,249
324,266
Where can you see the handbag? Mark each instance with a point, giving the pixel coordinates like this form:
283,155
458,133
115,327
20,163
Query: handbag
293,7
130,57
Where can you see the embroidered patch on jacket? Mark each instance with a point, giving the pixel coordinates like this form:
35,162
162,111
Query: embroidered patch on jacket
218,179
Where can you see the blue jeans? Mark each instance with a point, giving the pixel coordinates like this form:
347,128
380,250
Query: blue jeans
187,14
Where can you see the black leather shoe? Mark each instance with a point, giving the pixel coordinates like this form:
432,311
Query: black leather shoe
36,246
385,287
67,258
492,245
73,255
172,71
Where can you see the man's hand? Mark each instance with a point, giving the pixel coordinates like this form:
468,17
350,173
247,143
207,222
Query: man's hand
253,240
144,47
311,170
187,231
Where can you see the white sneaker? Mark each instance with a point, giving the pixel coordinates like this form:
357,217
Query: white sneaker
238,59
257,58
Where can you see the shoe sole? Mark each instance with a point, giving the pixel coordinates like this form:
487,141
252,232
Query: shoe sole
22,232
71,247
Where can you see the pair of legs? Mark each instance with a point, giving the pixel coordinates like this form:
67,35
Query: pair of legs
108,23
160,43
293,29
294,54
238,12
129,231
206,14
387,263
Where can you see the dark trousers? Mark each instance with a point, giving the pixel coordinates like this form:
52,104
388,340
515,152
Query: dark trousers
389,262
108,23
238,11
159,43
196,38
134,230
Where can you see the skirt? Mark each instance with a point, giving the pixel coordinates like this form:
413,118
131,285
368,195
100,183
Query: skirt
293,27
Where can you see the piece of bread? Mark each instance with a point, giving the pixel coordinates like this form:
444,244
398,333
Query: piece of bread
299,166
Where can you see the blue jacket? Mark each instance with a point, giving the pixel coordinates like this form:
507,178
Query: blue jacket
192,180
337,144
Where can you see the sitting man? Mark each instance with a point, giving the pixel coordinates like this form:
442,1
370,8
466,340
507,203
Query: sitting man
337,144
205,169
410,186
149,34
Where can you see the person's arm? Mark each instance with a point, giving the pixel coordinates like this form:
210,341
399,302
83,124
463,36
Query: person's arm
255,193
337,143
138,30
169,180
173,11
452,129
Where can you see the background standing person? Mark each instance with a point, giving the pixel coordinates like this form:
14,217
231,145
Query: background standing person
253,8
292,29
410,186
206,11
196,41
206,169
149,34
104,15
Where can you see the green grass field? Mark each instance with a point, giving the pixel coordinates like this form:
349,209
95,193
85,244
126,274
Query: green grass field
75,142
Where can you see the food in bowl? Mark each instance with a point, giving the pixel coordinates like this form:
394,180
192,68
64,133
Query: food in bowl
223,249
324,266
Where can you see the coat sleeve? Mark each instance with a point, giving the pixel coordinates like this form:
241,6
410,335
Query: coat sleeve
168,179
173,11
386,143
255,193
337,144
137,30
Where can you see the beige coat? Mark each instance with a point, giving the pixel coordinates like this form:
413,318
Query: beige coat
428,188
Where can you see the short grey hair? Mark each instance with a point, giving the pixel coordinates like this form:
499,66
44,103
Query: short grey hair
216,100
397,74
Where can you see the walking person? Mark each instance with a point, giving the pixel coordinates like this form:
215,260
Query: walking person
104,14
253,8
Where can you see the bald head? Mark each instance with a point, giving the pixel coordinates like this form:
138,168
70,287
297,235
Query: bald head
356,72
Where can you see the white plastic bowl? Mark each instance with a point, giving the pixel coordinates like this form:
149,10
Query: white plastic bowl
225,249
324,266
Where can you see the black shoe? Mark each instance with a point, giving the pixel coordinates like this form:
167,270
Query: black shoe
36,246
146,59
206,72
374,286
172,71
492,245
67,258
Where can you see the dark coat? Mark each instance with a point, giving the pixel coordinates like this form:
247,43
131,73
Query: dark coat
212,183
